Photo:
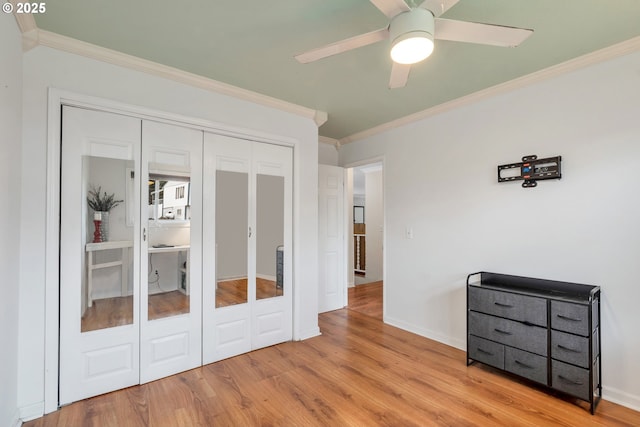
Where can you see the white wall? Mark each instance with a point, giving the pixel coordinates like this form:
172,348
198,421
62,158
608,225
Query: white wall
10,123
440,179
327,154
374,220
44,68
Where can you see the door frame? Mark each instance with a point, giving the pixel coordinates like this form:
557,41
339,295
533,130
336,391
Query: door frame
348,236
56,99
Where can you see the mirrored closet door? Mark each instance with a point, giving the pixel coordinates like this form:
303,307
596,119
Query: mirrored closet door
171,217
130,259
247,300
99,290
175,249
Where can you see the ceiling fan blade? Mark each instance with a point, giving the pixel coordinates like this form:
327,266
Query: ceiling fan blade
391,7
474,32
343,46
399,75
438,7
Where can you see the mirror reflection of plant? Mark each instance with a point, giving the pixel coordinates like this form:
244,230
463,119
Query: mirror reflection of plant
101,202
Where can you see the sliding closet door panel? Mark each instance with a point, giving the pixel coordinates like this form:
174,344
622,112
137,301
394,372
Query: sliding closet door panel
228,275
248,250
231,219
272,311
171,250
99,291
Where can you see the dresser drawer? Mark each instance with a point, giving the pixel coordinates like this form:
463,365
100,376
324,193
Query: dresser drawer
526,364
488,352
523,308
569,317
570,348
570,379
504,331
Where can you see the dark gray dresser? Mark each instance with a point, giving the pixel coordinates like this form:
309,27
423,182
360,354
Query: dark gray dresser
543,330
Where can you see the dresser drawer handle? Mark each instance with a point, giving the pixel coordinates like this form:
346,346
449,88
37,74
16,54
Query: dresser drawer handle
524,365
561,347
500,331
571,319
570,381
485,352
499,304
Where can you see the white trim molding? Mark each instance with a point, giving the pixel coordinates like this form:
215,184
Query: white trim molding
611,52
28,27
32,36
25,21
621,398
330,141
57,98
31,412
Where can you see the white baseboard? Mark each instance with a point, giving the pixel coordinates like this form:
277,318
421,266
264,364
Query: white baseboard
230,278
266,277
621,398
459,344
15,420
31,412
309,333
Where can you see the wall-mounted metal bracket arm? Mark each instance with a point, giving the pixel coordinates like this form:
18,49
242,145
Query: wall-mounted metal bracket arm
531,170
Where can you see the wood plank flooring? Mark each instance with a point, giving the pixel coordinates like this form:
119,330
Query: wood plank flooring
231,292
367,299
359,372
117,311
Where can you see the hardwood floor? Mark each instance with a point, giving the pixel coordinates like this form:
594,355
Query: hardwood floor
367,299
167,304
110,312
107,313
117,311
359,372
231,292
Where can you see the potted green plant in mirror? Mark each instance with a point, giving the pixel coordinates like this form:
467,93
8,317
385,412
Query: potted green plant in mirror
101,203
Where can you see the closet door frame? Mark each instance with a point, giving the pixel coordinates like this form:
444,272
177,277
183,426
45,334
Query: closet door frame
56,99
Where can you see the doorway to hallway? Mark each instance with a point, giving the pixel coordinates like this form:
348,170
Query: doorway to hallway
365,195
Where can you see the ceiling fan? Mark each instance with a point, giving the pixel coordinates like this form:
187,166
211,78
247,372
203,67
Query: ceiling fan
412,31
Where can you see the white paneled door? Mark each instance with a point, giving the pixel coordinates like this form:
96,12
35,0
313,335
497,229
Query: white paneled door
332,286
99,295
247,252
175,249
171,248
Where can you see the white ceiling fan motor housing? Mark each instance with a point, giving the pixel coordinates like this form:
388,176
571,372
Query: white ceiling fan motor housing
411,35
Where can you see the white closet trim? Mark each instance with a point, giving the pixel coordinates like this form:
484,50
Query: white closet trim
56,99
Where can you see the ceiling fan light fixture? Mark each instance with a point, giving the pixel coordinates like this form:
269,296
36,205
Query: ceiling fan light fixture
411,36
412,49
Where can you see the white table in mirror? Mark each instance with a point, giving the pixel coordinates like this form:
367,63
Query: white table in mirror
168,280
108,265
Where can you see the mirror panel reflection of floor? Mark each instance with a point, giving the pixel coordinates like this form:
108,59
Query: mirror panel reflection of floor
118,311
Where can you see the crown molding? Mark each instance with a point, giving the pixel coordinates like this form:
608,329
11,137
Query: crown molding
67,44
25,21
28,28
330,141
611,52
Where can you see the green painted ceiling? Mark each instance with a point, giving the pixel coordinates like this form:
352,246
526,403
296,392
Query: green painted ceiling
251,43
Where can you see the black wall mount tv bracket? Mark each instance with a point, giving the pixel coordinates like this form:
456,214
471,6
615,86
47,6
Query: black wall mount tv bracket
530,170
